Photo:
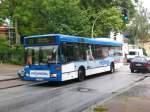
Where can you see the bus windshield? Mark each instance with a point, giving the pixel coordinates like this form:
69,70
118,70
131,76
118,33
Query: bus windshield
42,55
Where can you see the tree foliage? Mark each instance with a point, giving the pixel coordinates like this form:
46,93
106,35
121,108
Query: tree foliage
126,4
11,54
109,20
140,27
95,4
3,49
74,17
108,14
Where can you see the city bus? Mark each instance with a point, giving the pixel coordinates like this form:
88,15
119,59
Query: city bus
57,57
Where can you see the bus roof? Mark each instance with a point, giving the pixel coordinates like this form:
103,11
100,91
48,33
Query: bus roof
68,38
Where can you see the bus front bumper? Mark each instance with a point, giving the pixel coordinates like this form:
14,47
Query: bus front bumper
40,79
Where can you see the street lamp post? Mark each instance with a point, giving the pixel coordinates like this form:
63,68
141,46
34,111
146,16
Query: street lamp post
92,32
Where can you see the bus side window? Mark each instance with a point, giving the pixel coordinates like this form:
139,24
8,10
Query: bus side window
67,52
103,53
63,53
89,55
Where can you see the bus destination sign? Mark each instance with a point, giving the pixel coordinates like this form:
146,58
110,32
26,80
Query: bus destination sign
41,41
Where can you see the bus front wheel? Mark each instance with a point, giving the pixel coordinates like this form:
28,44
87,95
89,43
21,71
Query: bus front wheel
81,74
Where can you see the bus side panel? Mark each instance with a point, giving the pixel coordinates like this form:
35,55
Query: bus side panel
97,70
118,60
97,66
69,71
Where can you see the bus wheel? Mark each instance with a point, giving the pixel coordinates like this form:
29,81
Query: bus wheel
81,74
112,68
132,71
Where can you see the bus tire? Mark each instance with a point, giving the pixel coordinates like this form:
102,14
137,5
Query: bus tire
112,68
81,74
132,71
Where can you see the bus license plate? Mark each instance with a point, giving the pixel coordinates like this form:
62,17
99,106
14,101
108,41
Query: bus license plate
39,79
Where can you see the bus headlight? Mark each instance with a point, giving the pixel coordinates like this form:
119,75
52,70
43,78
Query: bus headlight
53,75
21,73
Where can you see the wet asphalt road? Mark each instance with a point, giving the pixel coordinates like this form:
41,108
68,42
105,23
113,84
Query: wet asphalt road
69,97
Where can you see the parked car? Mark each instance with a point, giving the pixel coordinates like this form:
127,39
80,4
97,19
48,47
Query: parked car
140,63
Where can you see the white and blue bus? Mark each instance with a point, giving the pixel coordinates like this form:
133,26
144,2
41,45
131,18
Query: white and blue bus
57,57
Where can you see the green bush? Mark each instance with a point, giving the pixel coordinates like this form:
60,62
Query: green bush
11,54
4,50
17,55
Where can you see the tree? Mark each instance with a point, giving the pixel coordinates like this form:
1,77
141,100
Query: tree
108,19
126,5
48,16
140,26
4,49
107,13
74,17
95,4
1,21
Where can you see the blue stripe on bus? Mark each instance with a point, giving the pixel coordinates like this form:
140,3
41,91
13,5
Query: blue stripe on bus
67,38
40,79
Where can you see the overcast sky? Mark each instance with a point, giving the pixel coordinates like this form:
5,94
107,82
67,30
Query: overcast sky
146,4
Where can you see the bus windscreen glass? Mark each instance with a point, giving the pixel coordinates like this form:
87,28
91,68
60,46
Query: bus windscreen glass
41,41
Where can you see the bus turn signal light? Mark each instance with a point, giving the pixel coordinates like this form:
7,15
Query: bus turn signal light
58,68
53,75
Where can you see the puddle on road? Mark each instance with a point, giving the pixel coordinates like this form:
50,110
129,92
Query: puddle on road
82,89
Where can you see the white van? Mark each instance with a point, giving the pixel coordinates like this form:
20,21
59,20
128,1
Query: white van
134,52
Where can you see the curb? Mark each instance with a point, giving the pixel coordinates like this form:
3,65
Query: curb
9,79
141,78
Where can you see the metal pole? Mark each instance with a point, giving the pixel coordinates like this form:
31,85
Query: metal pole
16,32
9,34
92,32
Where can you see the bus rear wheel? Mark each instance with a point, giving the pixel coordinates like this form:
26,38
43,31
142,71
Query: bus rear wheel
112,68
132,71
81,74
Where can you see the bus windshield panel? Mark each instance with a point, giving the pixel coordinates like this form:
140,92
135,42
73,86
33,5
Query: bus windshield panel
42,55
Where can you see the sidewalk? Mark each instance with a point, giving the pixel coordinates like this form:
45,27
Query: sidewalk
136,99
8,71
